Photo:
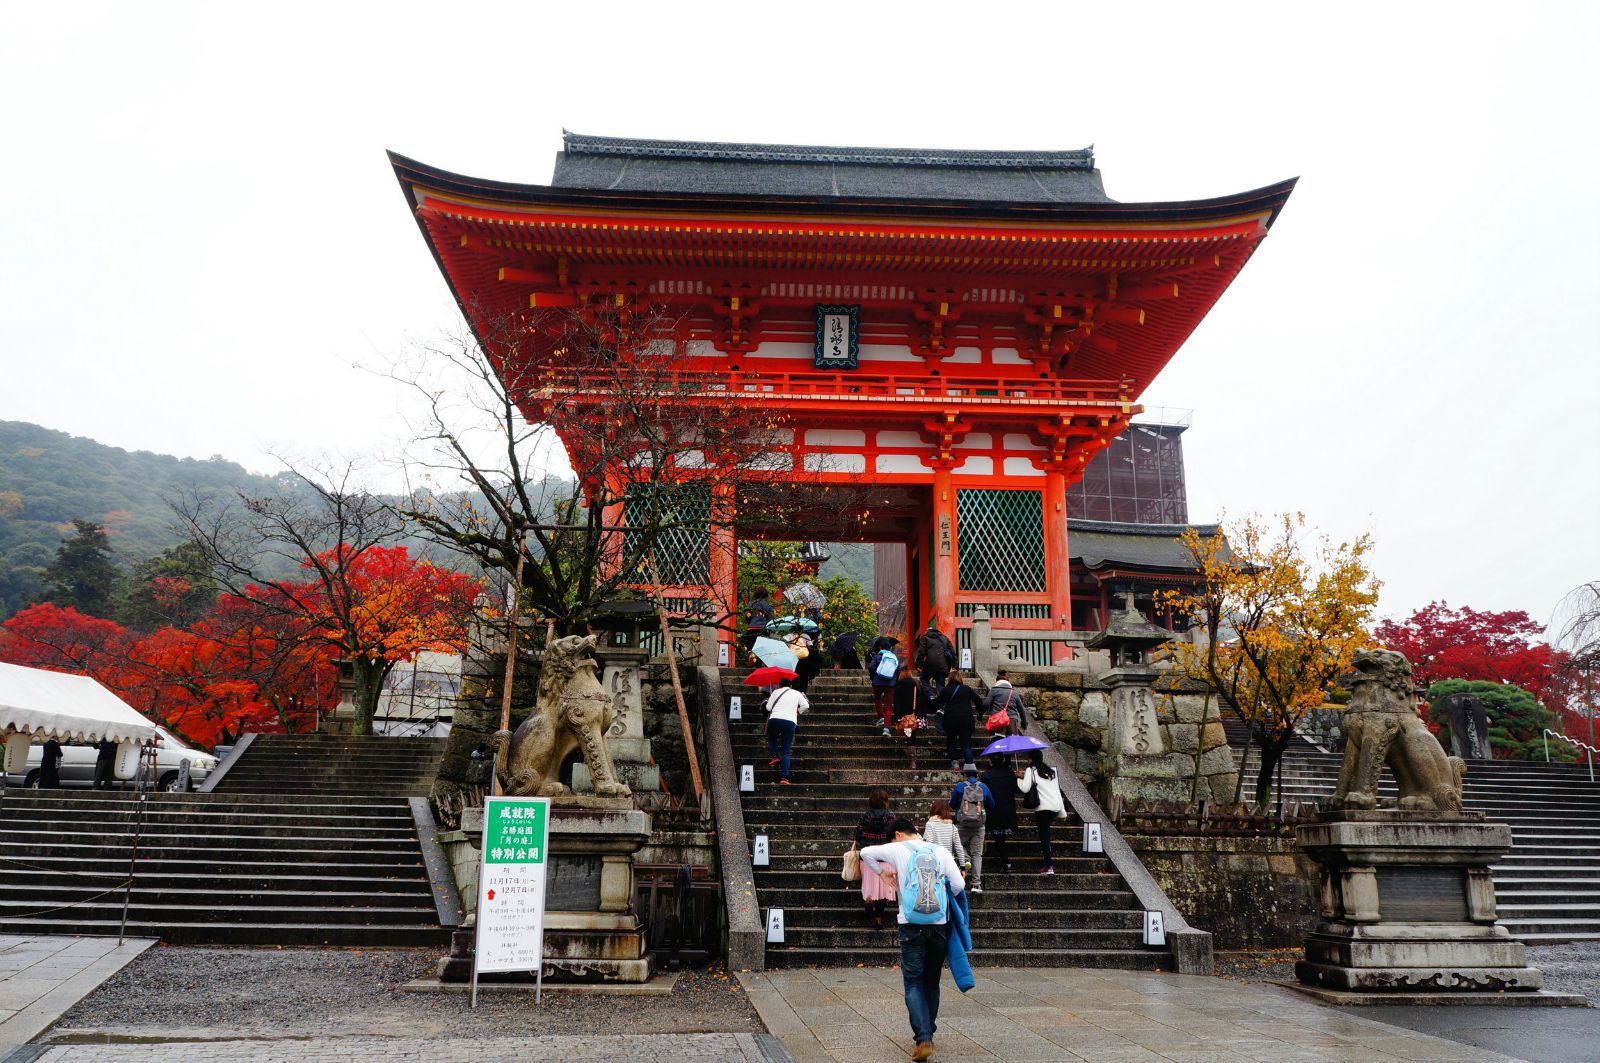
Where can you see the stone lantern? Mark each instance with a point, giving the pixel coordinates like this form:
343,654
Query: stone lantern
622,660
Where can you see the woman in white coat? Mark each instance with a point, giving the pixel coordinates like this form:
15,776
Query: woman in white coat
1042,794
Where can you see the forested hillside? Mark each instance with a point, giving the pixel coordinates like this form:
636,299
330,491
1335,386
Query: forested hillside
48,478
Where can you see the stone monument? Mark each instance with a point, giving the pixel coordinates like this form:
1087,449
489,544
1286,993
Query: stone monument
1469,726
1407,901
593,932
622,673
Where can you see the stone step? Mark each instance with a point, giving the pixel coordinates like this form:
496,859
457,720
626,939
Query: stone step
213,933
174,905
174,826
1032,883
235,884
287,836
204,869
1066,904
984,937
1141,959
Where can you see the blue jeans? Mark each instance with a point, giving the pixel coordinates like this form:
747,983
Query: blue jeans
780,740
922,955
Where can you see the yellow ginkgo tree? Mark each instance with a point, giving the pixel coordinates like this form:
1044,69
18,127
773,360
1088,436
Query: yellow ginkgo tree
1280,611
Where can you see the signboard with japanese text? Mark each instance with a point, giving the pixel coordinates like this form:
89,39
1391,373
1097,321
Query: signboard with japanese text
838,343
947,536
511,883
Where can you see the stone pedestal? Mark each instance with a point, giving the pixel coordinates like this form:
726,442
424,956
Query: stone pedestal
1407,906
591,931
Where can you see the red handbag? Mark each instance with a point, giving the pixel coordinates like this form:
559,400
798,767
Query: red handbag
1000,721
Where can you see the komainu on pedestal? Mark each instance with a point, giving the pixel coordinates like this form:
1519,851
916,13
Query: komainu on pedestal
574,712
1385,730
1407,899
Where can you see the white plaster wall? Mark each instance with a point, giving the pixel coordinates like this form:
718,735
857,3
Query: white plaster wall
826,462
1021,467
835,437
899,463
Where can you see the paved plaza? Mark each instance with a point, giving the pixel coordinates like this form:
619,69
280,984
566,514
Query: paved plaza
41,977
1036,1014
267,1005
622,1048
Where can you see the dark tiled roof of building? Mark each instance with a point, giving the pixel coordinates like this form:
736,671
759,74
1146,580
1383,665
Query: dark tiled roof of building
1105,544
626,165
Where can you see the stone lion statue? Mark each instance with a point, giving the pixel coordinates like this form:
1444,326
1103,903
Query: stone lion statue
573,712
1383,727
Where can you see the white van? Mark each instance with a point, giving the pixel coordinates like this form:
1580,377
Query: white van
77,764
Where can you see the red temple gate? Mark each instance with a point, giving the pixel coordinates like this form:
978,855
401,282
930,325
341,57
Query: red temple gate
951,335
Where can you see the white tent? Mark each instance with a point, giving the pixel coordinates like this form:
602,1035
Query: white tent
57,705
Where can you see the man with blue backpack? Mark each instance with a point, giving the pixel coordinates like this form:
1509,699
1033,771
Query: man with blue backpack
883,669
929,885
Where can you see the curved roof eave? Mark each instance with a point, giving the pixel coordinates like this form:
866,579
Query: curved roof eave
412,174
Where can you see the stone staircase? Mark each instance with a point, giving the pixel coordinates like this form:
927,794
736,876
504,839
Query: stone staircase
1548,885
293,849
334,766
1083,916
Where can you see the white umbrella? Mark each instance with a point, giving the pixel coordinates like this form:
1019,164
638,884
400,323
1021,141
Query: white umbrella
805,595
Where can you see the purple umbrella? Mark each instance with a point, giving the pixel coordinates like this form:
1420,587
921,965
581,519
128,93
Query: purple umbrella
1014,744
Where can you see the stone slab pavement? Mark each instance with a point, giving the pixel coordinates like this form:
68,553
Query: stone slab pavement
858,1015
615,1048
41,977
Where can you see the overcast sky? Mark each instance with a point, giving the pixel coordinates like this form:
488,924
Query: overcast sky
201,236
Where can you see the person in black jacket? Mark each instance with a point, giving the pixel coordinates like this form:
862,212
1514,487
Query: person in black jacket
105,761
50,766
934,654
960,707
757,615
1001,780
876,827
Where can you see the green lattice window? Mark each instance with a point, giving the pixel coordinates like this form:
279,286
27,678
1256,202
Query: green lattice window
682,516
1000,540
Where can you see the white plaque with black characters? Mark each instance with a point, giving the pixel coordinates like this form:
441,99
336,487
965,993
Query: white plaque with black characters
838,343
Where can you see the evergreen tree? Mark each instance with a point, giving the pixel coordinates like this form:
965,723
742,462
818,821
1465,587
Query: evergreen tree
173,588
83,575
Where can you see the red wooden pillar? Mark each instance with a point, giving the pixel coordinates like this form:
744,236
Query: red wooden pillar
944,547
612,515
722,567
1057,558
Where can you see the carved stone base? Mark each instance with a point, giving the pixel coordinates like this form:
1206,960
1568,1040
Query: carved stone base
1407,906
591,931
1542,998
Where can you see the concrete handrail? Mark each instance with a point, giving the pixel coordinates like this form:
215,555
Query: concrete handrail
217,774
1191,948
747,937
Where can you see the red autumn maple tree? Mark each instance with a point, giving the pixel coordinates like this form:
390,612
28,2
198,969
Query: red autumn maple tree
1465,643
262,660
375,608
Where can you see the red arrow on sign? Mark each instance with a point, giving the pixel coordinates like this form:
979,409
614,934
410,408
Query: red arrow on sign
491,895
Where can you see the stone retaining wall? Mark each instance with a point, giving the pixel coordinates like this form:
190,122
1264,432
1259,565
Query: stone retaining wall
1075,711
1250,892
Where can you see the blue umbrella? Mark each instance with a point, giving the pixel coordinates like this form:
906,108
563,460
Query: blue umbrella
774,653
783,625
1014,744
